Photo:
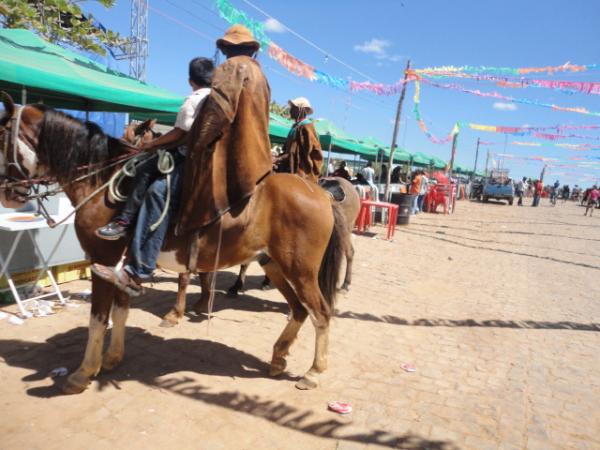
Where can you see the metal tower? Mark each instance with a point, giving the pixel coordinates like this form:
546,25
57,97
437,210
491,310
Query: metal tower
138,46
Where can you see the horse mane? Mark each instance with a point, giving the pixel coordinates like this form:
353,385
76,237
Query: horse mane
65,144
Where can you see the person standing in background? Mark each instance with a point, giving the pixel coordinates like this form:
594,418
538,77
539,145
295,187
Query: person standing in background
521,188
423,191
415,189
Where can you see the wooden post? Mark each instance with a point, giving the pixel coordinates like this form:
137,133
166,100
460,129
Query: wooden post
476,156
487,160
451,165
395,134
328,157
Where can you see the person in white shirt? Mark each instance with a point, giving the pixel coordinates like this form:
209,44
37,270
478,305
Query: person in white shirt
155,193
200,77
423,190
369,174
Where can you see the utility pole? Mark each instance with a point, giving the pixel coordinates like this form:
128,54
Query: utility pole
476,157
487,160
395,134
454,139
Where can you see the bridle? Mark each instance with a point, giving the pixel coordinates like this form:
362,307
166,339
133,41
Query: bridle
12,130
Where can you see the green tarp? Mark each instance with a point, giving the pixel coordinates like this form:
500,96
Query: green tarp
339,141
438,163
421,159
66,79
459,168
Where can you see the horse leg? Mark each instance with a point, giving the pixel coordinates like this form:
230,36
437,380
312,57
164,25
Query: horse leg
201,305
239,283
102,299
312,299
176,313
349,259
116,348
290,332
266,283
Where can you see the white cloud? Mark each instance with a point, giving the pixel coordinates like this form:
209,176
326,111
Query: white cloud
501,106
378,49
375,46
274,26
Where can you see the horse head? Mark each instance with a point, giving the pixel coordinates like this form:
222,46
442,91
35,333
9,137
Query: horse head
19,162
137,134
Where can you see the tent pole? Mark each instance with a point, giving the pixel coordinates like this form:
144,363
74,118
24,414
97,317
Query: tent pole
395,133
476,157
329,156
23,96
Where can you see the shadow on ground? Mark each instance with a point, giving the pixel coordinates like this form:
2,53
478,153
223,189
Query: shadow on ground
151,360
493,323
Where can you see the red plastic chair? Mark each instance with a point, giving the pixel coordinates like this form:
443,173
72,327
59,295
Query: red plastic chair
364,216
442,194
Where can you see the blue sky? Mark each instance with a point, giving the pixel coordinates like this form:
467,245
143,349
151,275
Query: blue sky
376,38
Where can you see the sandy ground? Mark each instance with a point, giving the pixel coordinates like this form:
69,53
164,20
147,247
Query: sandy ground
498,308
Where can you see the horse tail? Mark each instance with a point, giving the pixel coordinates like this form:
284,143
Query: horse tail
329,273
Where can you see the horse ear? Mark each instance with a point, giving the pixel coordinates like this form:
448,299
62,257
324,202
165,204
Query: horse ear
9,104
144,127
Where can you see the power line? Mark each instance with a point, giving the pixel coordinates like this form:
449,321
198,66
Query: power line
180,23
201,19
312,44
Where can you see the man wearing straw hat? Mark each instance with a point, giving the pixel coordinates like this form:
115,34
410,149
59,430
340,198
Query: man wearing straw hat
230,136
302,152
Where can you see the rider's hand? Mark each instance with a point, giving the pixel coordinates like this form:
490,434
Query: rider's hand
146,146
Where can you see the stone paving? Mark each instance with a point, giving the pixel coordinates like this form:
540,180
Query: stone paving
498,308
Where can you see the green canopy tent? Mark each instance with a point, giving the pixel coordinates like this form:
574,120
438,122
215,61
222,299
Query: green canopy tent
421,159
459,168
279,128
64,79
438,163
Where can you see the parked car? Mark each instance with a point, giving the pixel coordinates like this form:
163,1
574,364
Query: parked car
498,186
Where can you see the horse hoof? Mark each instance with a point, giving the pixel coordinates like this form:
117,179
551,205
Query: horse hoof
201,307
75,386
266,287
166,323
305,384
232,292
110,362
277,368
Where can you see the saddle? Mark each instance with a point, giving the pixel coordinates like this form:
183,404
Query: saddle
332,186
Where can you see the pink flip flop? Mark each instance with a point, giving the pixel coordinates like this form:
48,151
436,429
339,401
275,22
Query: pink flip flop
340,407
408,367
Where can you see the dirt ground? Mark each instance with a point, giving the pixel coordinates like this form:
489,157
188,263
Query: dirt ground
498,308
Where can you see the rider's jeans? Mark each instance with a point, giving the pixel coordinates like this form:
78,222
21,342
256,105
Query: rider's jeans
145,245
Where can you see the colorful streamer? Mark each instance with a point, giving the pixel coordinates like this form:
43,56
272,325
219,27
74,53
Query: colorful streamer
291,63
499,96
504,71
233,15
421,122
296,66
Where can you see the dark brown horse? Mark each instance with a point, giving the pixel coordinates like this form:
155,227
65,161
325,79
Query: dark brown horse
295,230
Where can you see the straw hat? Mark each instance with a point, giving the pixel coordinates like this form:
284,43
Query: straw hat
238,35
302,103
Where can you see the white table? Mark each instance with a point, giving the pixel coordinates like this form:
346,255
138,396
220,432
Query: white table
10,222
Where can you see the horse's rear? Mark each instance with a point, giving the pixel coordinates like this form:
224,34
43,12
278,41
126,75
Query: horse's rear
302,233
348,201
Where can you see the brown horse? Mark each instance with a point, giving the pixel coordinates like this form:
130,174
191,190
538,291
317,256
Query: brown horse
285,222
348,200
